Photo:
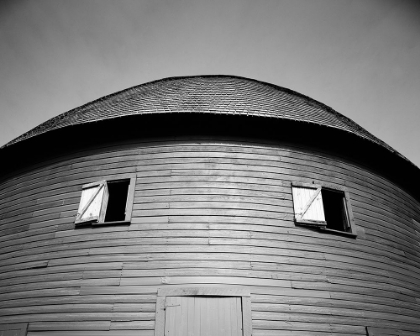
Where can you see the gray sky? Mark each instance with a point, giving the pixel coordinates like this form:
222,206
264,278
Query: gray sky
361,57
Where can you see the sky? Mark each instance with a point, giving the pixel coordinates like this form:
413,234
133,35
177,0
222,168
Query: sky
360,57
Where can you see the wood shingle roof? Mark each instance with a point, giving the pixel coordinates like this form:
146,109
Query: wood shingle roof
206,94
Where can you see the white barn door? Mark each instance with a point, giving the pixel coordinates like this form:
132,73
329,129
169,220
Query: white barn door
203,316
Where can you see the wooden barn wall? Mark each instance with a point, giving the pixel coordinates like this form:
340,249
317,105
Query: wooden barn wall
207,212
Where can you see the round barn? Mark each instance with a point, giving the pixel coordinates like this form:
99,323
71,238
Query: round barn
207,205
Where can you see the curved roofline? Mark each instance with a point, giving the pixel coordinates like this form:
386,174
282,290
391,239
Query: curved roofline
356,129
68,142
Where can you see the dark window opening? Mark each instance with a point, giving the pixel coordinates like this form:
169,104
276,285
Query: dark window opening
118,191
335,210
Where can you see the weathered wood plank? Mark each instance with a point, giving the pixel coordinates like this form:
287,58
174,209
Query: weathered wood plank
208,213
135,332
77,325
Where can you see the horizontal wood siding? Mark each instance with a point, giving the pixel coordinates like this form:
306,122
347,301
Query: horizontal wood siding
207,212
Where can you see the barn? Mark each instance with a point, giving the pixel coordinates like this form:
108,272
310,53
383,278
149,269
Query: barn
207,206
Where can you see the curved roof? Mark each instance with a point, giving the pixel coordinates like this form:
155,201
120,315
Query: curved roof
206,94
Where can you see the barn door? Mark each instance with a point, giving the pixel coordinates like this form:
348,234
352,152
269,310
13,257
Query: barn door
203,316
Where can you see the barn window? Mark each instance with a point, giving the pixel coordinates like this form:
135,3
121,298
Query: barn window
203,311
324,207
107,202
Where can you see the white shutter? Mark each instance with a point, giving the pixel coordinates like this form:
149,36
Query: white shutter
307,203
93,203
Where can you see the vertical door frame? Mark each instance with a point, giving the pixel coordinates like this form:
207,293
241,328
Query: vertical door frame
238,292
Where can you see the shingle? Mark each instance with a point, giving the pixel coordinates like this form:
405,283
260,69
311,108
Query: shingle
206,94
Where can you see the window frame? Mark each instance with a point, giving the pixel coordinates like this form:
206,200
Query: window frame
100,220
322,225
215,291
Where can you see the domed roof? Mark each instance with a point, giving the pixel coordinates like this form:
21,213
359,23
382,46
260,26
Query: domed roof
205,94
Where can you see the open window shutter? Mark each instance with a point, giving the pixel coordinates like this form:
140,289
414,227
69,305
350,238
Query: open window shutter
308,204
93,203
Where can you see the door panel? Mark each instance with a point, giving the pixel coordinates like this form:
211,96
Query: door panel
203,316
